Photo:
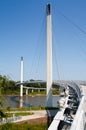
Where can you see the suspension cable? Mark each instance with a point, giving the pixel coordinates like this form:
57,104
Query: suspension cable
71,21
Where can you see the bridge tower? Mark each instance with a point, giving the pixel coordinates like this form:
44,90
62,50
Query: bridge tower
49,57
21,79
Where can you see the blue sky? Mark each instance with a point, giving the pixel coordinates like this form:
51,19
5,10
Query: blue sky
23,33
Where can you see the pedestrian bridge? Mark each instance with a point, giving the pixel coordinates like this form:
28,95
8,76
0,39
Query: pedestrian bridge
72,108
71,115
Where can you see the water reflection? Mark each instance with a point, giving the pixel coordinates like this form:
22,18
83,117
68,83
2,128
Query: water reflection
21,103
27,101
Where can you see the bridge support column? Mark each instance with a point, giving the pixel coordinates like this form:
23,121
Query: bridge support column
21,79
49,58
26,91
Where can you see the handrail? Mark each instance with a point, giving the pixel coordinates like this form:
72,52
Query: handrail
79,118
77,122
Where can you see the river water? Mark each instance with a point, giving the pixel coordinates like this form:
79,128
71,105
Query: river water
34,101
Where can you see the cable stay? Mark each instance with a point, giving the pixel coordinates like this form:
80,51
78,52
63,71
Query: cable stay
77,27
71,21
39,49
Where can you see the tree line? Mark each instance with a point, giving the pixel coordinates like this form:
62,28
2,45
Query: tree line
6,85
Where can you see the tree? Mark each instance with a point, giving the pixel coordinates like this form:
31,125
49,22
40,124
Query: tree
6,85
2,114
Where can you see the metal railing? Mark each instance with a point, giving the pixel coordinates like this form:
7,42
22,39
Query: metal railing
79,120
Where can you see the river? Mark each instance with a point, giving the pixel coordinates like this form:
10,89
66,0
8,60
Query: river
15,102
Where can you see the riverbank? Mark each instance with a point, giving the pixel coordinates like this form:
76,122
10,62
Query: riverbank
40,116
36,120
24,126
25,95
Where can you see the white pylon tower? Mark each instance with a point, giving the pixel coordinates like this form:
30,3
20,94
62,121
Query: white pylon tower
21,79
49,57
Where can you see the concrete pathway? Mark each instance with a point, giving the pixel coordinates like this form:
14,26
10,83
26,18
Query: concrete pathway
37,114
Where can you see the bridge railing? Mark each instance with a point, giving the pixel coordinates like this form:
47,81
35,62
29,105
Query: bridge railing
77,89
79,119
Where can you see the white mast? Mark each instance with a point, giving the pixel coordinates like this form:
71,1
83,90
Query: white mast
49,57
21,78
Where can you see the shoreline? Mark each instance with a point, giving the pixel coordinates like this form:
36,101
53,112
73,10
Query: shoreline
27,95
42,120
40,116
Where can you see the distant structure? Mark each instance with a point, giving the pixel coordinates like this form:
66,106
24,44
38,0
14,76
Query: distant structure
21,78
49,57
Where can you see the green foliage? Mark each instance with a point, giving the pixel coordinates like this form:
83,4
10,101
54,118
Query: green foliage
2,114
26,108
7,85
23,126
7,126
8,108
56,92
21,109
19,114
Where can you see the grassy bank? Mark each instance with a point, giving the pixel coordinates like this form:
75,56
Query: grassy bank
23,126
9,109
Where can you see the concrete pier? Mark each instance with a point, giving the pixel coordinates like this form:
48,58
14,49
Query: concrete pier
26,91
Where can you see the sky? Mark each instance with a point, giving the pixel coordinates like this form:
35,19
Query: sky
23,33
